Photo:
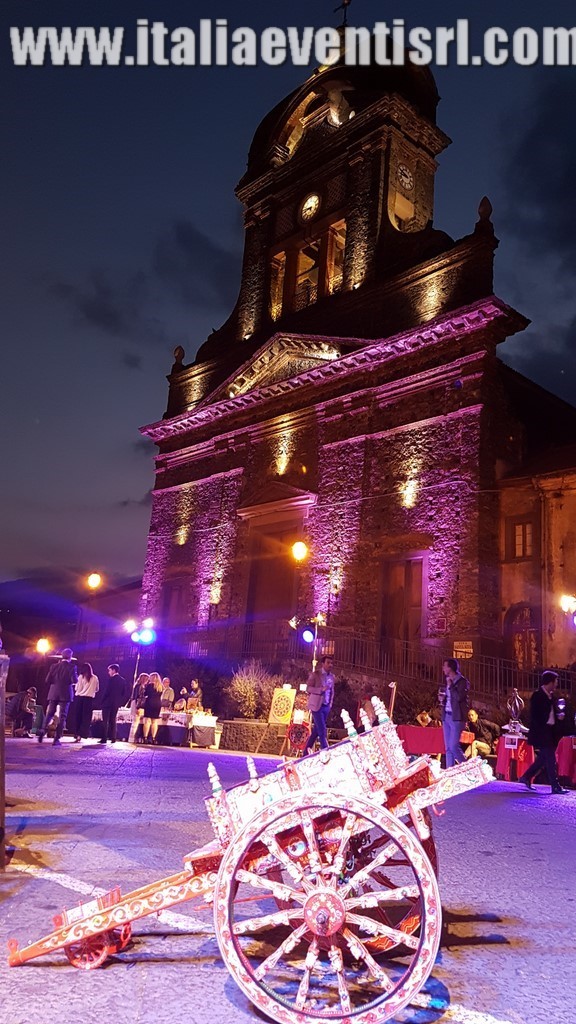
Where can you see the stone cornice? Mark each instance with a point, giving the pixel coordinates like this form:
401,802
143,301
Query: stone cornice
466,321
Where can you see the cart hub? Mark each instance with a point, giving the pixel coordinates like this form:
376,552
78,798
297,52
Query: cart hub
324,912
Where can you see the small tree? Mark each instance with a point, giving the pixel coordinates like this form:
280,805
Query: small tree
251,690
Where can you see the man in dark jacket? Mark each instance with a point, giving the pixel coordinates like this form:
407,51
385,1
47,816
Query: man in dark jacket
116,694
545,731
485,734
62,677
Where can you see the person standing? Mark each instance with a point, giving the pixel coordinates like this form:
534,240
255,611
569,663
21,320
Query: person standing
454,701
320,698
167,702
152,702
86,689
544,732
61,679
117,693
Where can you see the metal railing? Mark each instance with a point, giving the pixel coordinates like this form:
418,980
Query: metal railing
225,645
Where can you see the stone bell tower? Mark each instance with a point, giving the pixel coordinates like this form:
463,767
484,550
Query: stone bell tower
338,192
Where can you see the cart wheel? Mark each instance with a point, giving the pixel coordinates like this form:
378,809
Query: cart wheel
407,921
90,952
310,960
119,938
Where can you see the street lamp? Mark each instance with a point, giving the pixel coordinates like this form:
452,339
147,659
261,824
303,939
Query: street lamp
43,645
299,551
94,581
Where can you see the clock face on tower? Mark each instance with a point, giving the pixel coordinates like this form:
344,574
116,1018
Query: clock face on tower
405,177
310,206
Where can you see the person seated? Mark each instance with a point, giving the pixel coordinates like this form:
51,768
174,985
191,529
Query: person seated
485,735
21,709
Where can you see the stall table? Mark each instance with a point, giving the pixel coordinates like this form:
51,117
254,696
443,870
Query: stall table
566,759
419,739
513,754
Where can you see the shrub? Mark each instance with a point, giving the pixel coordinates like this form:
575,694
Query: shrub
251,689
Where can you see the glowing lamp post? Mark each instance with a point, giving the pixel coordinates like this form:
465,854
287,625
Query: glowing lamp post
142,634
299,551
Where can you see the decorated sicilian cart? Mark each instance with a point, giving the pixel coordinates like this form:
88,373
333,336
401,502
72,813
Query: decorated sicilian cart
322,877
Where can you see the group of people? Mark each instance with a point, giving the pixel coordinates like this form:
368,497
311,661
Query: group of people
69,683
151,698
546,718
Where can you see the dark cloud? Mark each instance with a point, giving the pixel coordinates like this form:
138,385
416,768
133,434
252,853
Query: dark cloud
144,446
136,502
186,268
547,356
539,176
117,309
202,273
132,360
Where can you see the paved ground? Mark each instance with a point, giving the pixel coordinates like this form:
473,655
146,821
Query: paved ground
84,819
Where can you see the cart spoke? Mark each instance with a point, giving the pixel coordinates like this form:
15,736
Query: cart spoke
367,924
292,867
257,924
372,899
310,834
286,947
364,873
269,885
309,964
359,951
347,830
337,962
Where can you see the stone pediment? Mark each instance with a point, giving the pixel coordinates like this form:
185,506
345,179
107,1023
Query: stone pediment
281,358
274,496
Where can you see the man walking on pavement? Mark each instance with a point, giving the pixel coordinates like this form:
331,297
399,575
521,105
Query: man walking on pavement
116,694
62,677
320,697
544,734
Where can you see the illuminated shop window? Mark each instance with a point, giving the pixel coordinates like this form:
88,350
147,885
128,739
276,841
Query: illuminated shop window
519,539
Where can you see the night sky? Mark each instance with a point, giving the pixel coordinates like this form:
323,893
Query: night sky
123,239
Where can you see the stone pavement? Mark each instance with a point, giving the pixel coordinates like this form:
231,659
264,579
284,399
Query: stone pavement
82,820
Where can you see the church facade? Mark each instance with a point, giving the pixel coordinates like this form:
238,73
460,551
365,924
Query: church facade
354,401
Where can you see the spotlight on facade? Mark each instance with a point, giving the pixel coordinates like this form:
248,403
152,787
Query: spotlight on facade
568,604
308,632
143,636
130,625
299,551
147,623
43,645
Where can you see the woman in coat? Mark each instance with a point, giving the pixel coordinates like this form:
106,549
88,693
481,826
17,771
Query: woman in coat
152,705
86,687
137,701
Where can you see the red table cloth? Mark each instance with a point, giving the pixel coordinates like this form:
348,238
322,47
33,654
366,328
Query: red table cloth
523,755
566,758
426,740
